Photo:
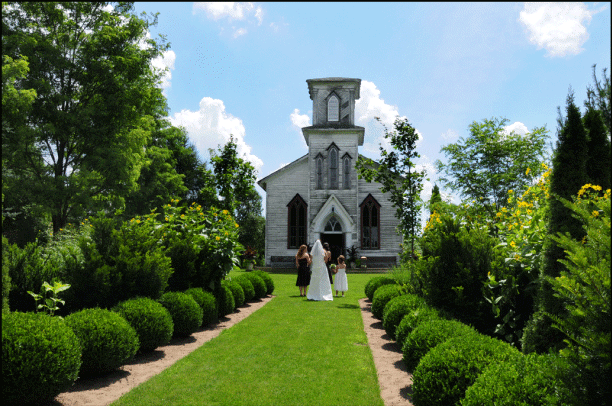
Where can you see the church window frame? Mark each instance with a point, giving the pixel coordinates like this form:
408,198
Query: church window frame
297,210
370,224
319,171
346,171
334,170
333,107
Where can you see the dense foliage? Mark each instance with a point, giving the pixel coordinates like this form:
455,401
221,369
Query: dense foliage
225,301
210,314
412,320
151,321
107,340
237,292
267,279
261,289
41,357
247,287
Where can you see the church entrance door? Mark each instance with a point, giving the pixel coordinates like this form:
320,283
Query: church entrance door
336,245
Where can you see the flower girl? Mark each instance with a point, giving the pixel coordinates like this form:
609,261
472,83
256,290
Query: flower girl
341,281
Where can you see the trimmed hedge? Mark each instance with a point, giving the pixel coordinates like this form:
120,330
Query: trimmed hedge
41,357
258,284
397,308
427,335
225,300
186,314
152,321
413,319
447,371
375,283
382,296
247,287
209,308
530,380
267,279
237,292
107,340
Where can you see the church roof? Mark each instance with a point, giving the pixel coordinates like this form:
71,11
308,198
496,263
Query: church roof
264,181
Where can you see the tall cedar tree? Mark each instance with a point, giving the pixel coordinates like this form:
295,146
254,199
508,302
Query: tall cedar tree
568,175
598,147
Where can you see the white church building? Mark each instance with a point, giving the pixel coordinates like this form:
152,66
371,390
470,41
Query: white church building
319,195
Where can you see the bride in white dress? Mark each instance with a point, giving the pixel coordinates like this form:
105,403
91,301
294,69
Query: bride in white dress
320,288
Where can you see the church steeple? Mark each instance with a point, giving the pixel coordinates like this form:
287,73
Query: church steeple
333,101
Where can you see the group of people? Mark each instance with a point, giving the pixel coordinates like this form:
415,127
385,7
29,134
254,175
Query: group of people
315,273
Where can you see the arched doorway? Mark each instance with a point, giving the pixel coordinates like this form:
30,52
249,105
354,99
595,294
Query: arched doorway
333,235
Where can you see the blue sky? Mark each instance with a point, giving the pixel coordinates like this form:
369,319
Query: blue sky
241,68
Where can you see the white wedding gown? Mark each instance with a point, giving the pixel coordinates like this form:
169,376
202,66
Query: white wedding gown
320,288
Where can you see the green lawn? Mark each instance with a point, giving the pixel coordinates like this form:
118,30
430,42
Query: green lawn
290,352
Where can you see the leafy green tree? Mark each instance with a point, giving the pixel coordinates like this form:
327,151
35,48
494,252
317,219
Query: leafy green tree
491,161
81,147
598,149
568,176
435,198
397,174
234,180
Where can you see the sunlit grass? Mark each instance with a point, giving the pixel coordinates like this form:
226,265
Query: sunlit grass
290,352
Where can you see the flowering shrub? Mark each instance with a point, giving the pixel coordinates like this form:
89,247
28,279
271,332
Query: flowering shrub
203,245
521,225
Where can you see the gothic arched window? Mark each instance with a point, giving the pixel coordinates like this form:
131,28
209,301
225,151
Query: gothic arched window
333,167
370,223
346,171
319,161
333,108
296,222
333,225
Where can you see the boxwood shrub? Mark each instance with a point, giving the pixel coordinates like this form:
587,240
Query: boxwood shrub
152,321
450,368
375,283
530,380
258,284
247,287
225,300
186,314
427,335
237,292
197,294
267,279
397,308
209,308
41,357
413,319
382,296
107,340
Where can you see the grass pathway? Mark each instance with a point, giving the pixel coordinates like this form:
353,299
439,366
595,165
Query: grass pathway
290,352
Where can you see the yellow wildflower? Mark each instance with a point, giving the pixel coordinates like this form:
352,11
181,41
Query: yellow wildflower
512,244
217,238
527,171
225,212
595,213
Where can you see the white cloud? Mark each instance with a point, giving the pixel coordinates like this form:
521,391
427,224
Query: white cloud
517,128
232,11
212,126
300,120
225,9
450,135
369,106
239,32
557,27
165,62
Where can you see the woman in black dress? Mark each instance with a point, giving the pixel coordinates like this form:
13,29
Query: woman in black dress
302,262
327,260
